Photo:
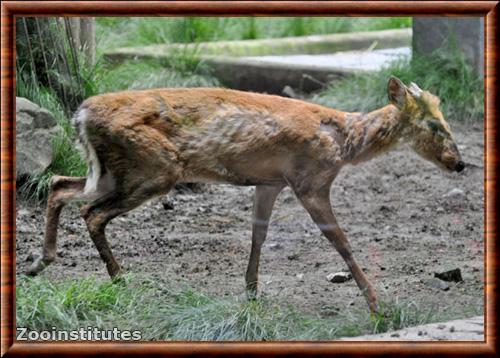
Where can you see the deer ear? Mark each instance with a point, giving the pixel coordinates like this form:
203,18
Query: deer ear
396,91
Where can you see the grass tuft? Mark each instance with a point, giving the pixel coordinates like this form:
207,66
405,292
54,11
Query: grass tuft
164,313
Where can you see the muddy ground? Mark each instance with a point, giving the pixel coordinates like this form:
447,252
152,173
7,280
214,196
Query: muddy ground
394,209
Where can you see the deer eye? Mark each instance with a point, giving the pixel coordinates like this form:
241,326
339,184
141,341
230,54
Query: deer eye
437,129
434,125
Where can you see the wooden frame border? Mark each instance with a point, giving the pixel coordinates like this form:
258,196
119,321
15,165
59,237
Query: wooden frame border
9,9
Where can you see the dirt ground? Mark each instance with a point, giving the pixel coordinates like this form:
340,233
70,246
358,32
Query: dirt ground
399,212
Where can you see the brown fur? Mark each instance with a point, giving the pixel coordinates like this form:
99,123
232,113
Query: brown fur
146,141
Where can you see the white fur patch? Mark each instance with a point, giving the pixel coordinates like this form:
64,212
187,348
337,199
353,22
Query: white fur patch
94,171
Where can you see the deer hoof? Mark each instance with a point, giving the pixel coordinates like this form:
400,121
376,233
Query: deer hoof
374,310
251,294
37,266
116,273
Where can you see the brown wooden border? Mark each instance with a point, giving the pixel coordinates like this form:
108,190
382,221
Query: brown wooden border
9,9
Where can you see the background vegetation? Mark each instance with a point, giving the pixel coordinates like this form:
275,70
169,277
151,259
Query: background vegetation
122,32
167,313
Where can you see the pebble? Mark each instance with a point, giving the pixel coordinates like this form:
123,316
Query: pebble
167,205
455,193
435,283
275,246
23,212
451,275
339,277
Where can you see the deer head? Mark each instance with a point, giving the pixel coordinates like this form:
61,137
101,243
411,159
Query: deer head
428,133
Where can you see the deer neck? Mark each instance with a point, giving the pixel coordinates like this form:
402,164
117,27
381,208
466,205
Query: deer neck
371,134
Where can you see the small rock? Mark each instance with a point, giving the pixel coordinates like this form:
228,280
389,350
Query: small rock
385,208
32,257
23,212
435,283
451,276
455,193
36,128
440,210
293,257
339,277
300,276
289,92
167,205
275,246
452,329
441,326
395,335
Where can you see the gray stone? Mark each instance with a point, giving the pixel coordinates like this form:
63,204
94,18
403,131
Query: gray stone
454,275
29,115
275,246
431,33
435,283
339,277
35,129
455,194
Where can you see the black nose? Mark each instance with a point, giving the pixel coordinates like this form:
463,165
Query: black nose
460,166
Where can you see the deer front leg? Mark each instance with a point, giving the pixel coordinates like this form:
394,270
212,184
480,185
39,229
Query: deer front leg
317,203
264,199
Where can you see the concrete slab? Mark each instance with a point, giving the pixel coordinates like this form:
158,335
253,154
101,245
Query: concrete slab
304,63
470,329
315,44
303,72
350,60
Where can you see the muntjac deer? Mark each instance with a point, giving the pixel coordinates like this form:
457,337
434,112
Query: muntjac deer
139,144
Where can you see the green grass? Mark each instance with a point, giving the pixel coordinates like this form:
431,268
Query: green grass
444,73
116,32
165,313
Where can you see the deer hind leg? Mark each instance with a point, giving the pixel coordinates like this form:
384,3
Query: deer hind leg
264,199
99,213
62,191
317,203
